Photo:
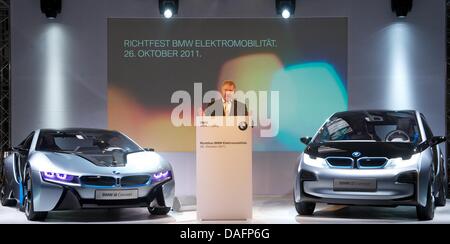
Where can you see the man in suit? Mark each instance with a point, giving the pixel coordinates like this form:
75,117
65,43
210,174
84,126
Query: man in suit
227,105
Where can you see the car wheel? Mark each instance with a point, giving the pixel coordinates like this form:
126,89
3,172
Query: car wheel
4,200
28,200
305,208
158,210
157,206
442,198
427,212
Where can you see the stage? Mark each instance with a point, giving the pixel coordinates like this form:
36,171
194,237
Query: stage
266,210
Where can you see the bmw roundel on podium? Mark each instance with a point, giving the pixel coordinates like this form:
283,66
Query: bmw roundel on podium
380,158
85,168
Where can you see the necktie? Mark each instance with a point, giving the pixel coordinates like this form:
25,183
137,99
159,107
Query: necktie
226,108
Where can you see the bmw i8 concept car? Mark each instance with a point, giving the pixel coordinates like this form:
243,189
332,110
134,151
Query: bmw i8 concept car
379,158
84,168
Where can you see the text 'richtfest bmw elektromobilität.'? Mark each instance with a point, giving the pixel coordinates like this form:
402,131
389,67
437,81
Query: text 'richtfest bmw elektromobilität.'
374,158
84,168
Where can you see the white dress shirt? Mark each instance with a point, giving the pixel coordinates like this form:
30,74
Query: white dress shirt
226,107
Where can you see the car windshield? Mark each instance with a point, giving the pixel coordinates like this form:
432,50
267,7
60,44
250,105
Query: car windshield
91,141
370,126
101,147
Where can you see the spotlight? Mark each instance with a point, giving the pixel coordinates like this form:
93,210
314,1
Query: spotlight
168,13
168,8
401,7
286,14
285,8
51,8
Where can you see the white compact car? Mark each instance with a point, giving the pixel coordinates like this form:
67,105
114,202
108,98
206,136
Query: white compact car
380,158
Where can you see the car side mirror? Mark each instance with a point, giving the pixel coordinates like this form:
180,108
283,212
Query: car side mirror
306,140
431,142
18,149
147,149
437,140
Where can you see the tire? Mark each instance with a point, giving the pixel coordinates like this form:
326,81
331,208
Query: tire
427,212
4,200
157,206
158,210
442,198
28,200
305,208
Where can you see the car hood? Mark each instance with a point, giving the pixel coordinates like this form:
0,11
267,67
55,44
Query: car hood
137,163
361,149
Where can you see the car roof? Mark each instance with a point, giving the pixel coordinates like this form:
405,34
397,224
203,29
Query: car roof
375,111
72,130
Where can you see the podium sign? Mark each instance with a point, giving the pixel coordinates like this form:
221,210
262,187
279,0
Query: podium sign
224,168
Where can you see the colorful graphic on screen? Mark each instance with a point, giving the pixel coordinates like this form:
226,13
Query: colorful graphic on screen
150,59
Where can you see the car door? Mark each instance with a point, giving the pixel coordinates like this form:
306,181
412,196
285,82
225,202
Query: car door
435,150
21,156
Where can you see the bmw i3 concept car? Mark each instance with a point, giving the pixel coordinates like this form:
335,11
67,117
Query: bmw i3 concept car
379,158
84,168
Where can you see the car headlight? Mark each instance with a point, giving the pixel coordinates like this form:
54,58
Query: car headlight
161,176
403,163
59,178
315,162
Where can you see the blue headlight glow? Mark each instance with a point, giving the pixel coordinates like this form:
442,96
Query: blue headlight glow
59,178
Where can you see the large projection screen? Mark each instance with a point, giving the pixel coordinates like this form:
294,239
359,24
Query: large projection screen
303,60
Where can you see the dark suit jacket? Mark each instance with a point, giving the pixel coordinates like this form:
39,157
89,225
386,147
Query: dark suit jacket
215,108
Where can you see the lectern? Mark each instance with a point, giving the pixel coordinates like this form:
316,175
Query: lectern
224,167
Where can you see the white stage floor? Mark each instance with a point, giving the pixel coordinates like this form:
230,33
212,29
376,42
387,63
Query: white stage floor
266,210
